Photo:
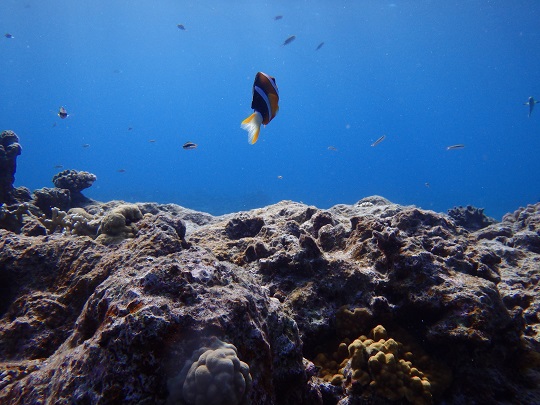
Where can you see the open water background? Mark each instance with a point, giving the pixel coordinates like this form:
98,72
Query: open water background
427,74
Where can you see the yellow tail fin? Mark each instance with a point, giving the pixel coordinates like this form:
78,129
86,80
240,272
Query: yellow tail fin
252,124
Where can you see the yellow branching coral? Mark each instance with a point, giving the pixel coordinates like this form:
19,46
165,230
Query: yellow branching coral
380,365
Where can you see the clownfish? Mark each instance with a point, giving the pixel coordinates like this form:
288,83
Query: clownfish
265,103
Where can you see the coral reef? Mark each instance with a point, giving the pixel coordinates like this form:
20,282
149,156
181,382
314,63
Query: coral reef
74,181
85,321
9,150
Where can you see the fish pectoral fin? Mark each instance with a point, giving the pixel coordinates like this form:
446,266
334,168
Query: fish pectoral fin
252,124
273,104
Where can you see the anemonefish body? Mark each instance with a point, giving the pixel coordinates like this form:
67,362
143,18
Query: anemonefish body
265,103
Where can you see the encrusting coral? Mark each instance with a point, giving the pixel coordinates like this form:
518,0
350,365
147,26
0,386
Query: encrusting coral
379,365
214,375
116,225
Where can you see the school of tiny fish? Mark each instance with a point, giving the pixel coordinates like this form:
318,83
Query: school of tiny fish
265,105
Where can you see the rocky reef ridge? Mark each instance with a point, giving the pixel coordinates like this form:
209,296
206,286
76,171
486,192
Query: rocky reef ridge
299,292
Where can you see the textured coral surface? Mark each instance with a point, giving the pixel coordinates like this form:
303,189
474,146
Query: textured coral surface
107,303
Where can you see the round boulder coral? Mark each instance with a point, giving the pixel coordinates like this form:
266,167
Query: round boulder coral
117,224
218,377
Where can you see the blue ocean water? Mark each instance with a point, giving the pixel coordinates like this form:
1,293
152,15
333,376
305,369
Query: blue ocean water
427,74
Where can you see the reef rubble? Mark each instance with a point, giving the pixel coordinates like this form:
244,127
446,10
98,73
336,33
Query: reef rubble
374,302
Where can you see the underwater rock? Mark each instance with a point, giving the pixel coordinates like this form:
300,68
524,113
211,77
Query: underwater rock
87,321
9,150
470,218
47,198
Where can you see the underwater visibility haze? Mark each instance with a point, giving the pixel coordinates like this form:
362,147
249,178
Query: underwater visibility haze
140,80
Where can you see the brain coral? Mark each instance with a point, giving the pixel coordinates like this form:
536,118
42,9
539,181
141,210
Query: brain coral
216,377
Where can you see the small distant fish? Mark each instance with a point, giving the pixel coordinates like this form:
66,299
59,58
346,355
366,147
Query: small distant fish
121,170
378,141
190,145
54,124
181,27
265,103
62,113
86,145
280,177
58,167
152,140
427,184
332,148
130,128
8,35
531,102
320,46
278,17
289,40
457,146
